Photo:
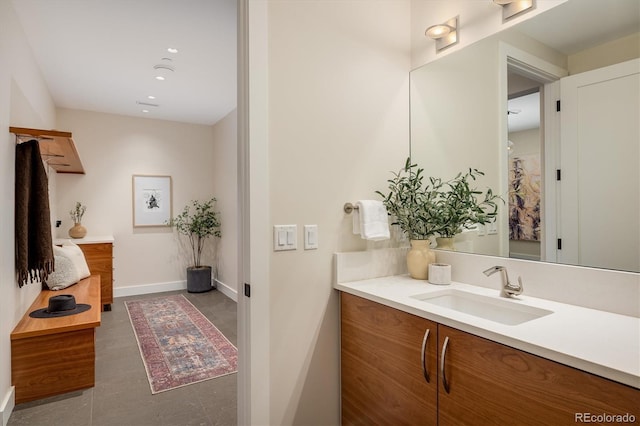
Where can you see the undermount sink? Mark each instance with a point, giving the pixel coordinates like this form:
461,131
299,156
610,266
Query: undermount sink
495,309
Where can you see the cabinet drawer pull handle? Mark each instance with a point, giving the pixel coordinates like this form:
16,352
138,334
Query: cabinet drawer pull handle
423,355
442,361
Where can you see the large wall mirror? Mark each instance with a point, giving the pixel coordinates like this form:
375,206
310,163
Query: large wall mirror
570,179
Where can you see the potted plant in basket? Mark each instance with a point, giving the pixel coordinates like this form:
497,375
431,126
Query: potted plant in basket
456,206
411,205
198,225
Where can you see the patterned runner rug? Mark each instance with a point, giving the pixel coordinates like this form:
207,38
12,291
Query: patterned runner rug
179,345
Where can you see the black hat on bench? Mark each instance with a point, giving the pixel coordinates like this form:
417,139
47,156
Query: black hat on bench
60,306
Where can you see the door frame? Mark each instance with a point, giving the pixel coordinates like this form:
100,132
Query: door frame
548,74
253,226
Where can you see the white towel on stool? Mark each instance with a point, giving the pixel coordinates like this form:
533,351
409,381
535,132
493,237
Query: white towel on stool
370,220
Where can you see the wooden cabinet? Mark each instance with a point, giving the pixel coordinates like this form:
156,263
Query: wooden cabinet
486,382
490,383
51,356
99,258
383,367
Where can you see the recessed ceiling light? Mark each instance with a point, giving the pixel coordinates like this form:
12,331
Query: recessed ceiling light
147,104
159,77
172,50
151,97
145,110
164,67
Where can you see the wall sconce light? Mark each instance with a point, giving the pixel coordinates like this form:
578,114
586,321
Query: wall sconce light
445,34
511,8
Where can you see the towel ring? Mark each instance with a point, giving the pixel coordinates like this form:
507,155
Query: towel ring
349,208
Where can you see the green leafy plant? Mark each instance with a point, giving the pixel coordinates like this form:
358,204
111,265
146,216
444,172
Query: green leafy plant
410,204
198,225
77,213
439,207
457,205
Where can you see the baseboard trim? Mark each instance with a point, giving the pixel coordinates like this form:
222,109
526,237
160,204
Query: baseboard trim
8,403
227,291
169,286
135,290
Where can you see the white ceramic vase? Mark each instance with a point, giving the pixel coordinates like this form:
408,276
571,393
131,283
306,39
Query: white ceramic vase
419,258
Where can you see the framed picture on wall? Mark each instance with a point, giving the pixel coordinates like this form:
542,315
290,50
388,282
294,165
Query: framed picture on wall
151,200
524,197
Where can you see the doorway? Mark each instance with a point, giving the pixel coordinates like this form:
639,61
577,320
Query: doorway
524,153
530,89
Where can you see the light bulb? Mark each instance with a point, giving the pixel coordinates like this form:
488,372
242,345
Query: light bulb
438,31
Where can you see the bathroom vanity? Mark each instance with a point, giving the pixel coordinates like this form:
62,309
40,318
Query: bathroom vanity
415,353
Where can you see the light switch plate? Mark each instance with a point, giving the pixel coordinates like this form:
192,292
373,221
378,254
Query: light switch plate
310,237
285,237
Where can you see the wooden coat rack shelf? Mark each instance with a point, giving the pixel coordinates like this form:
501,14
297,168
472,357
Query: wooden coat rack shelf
56,147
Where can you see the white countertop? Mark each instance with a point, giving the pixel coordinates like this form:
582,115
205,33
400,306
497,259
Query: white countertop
602,343
89,239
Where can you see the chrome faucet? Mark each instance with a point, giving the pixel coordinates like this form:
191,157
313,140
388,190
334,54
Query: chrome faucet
508,289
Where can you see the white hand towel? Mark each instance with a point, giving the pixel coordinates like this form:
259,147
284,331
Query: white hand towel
371,220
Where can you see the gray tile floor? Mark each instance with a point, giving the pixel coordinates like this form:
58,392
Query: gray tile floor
122,397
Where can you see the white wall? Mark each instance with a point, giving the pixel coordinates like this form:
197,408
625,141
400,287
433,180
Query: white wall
337,123
24,101
613,52
454,117
225,188
525,142
112,149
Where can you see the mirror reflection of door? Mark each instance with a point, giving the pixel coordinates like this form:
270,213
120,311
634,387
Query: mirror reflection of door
596,219
600,209
525,142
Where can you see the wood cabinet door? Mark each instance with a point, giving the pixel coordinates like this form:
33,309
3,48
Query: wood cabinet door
100,261
493,384
383,381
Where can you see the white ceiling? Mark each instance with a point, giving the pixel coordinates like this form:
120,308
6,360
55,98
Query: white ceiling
98,55
524,112
579,24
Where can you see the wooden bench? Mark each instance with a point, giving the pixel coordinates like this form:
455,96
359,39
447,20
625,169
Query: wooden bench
50,356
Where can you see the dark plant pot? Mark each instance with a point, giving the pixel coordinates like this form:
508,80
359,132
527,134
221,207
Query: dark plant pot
199,279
